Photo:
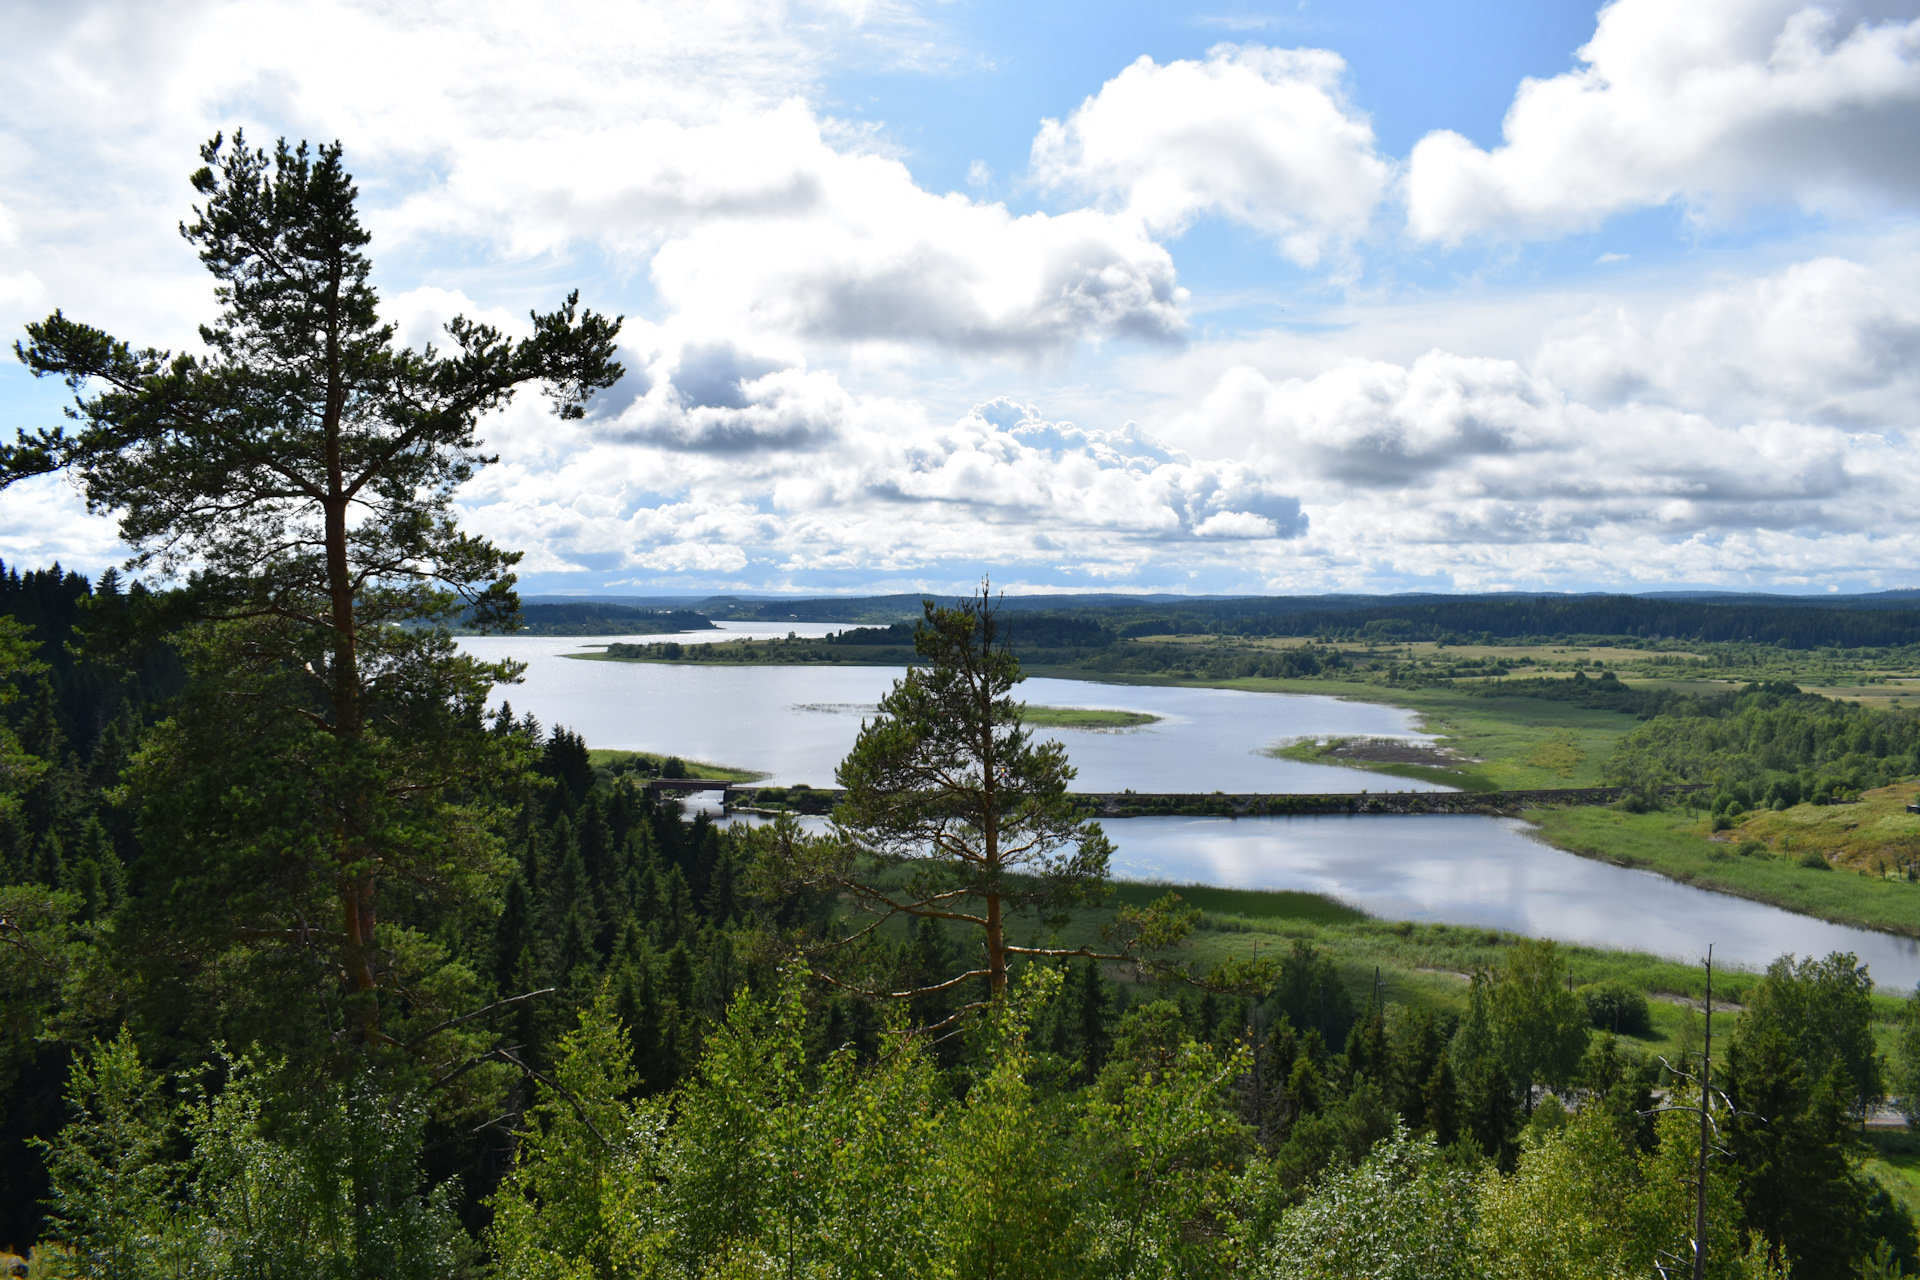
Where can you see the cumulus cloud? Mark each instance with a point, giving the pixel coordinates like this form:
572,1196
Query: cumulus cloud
897,493
1715,103
1262,136
1628,448
677,141
1828,341
817,322
861,253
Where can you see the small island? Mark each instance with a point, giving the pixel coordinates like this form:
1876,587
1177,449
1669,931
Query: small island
1097,718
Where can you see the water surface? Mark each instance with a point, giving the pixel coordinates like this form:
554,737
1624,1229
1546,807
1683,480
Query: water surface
1463,869
795,724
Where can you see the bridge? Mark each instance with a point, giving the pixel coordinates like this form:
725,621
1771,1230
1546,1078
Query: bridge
696,784
1132,804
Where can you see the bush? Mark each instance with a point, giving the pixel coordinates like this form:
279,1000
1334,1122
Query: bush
673,767
1721,822
1750,849
1814,861
1613,1006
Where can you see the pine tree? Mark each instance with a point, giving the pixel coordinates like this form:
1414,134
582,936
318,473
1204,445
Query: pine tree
300,477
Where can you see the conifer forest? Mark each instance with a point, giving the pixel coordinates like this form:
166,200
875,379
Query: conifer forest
319,959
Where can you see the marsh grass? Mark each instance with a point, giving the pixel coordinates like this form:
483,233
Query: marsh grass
1087,718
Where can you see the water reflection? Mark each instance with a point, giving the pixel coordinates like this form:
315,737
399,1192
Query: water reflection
1457,869
1489,871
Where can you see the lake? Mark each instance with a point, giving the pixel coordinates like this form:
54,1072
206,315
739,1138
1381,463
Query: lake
795,723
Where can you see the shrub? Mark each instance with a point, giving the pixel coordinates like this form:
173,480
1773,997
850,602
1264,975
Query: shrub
1721,822
1613,1006
673,767
1812,860
1750,849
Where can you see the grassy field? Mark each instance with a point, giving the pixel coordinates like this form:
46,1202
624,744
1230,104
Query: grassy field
1683,846
1875,837
1896,1163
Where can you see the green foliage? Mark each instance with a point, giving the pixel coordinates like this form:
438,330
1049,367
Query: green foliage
295,1178
284,1178
1538,1026
113,1182
948,783
1402,1214
1801,1066
1613,1006
1823,1009
1772,744
581,1199
1904,1076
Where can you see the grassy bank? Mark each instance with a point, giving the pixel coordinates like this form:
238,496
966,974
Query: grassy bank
1752,860
1896,1163
649,763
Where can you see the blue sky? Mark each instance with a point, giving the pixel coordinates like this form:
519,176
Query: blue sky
1368,296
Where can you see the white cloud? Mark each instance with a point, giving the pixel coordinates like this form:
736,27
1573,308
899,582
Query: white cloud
1826,341
896,493
1715,103
677,139
45,519
1262,136
1752,432
419,316
860,253
817,319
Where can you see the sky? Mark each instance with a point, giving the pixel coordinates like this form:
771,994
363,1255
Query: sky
1212,297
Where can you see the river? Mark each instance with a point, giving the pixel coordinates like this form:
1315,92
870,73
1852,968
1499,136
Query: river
795,723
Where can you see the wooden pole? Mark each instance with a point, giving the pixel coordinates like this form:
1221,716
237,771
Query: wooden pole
1706,1086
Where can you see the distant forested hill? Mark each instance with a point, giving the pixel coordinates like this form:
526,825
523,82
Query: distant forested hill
593,618
1881,620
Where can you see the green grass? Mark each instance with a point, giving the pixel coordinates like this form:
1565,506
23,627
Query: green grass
1896,1163
1087,718
1468,778
1875,835
1676,845
1247,904
606,758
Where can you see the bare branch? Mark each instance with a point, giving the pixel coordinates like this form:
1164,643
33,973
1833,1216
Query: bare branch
451,1023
